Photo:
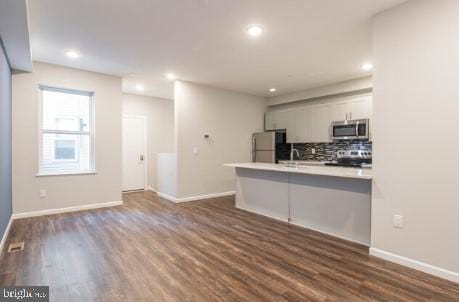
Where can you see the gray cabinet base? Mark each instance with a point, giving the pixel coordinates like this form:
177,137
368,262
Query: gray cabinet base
333,205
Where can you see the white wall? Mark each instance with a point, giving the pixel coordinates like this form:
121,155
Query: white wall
416,137
160,129
65,191
355,86
229,118
167,175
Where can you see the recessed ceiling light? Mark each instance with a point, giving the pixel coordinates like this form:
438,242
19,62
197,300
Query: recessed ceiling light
72,54
367,66
139,87
171,76
272,90
254,30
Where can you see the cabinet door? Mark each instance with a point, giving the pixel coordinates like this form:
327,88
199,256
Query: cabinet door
298,126
320,117
274,120
360,108
339,111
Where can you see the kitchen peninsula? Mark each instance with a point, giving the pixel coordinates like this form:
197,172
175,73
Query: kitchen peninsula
331,200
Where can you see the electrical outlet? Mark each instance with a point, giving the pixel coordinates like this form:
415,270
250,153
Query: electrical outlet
398,221
43,193
313,151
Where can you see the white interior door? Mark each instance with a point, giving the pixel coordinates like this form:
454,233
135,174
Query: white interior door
134,152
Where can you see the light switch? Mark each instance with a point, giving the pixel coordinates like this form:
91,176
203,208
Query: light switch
43,193
398,221
195,150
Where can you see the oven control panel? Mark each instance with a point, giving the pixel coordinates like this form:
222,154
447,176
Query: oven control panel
364,154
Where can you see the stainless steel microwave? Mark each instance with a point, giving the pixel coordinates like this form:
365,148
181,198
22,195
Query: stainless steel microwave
351,130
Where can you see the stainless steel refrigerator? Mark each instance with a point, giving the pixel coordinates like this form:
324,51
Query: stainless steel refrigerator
269,147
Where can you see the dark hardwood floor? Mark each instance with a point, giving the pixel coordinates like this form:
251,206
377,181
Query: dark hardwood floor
152,250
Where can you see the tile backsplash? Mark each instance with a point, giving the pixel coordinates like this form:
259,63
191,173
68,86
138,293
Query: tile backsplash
327,151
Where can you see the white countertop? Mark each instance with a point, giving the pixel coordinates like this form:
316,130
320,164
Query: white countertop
308,169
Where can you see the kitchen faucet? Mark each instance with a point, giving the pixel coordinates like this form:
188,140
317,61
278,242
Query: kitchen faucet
291,163
291,153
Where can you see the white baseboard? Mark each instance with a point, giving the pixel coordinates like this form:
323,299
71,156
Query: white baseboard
5,235
194,198
417,265
207,196
168,197
68,209
150,188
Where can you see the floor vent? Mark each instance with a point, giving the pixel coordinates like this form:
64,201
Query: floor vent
16,247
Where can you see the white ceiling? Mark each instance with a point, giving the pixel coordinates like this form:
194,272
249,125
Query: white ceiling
306,43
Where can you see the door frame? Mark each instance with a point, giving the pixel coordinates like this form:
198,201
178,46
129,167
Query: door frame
144,118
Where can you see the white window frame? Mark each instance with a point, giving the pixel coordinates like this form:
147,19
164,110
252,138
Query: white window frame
90,132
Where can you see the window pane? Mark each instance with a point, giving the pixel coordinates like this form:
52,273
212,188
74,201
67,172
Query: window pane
64,153
65,149
65,111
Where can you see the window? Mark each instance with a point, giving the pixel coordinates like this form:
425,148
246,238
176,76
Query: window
67,131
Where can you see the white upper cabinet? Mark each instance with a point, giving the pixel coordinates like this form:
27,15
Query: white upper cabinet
320,117
339,111
274,120
298,125
352,109
360,108
312,123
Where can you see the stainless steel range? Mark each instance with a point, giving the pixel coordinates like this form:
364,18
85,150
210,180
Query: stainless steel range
352,158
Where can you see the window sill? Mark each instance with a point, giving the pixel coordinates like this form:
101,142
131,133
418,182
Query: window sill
44,174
